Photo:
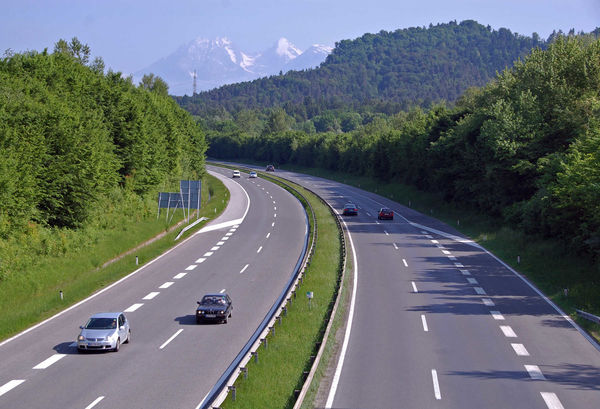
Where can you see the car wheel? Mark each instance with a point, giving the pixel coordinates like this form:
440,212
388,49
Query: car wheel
81,351
198,321
117,345
128,337
225,320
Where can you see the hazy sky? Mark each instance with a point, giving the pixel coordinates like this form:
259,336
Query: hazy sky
131,34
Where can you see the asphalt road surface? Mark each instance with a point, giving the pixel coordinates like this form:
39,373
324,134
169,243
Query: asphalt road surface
438,322
249,252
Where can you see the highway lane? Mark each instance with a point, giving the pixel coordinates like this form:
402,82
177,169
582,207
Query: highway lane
439,322
171,361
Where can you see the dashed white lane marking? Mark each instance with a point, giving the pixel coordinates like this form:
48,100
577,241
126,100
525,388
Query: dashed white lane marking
133,307
497,316
459,265
395,246
368,214
376,222
471,280
94,403
386,233
439,246
434,241
53,359
273,224
429,236
488,302
224,238
446,252
208,254
479,290
274,214
170,339
551,400
191,267
465,272
10,385
259,249
222,291
244,269
167,284
228,234
508,331
221,243
274,207
414,286
535,372
436,385
215,248
201,260
180,275
424,320
151,295
268,235
424,232
451,257
520,349
405,263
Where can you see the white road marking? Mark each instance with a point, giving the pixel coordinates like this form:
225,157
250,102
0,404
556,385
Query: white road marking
10,385
368,214
405,263
535,372
471,280
395,246
180,275
94,403
191,267
275,208
201,260
424,232
215,248
167,284
479,290
465,272
429,236
436,385
222,291
459,265
508,331
452,258
446,252
228,234
224,238
434,241
268,235
259,249
274,214
171,339
497,316
488,302
221,243
244,269
414,286
133,308
151,295
520,349
386,233
425,327
273,224
208,254
45,364
439,246
551,400
376,222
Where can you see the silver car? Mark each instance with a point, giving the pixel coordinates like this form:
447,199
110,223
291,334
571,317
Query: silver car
104,331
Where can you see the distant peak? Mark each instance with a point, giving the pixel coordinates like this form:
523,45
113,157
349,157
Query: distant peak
287,49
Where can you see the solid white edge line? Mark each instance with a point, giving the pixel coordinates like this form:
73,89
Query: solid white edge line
10,385
551,400
436,385
170,339
53,359
94,403
424,320
340,364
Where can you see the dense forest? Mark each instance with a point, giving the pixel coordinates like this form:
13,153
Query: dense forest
71,134
524,148
390,71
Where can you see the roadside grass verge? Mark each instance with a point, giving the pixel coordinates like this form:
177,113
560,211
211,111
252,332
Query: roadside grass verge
290,349
546,263
32,294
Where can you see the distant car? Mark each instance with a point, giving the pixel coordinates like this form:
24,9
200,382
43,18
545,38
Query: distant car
105,331
253,175
270,168
350,209
214,307
236,174
385,213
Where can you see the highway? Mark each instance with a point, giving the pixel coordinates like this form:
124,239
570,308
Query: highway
248,252
438,322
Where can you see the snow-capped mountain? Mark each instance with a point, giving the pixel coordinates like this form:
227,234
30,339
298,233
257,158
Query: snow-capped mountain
218,62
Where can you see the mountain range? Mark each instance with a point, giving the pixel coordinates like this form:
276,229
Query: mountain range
219,61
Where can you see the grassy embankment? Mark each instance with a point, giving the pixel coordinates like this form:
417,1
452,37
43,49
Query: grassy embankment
31,294
545,262
280,369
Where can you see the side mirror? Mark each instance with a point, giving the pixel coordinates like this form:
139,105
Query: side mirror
121,327
81,327
198,302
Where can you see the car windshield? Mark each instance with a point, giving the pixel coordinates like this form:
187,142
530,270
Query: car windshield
213,300
101,323
350,206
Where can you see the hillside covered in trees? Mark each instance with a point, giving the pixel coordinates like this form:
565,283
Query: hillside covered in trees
71,134
391,71
525,148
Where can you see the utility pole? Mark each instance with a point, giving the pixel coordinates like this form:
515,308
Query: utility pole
194,83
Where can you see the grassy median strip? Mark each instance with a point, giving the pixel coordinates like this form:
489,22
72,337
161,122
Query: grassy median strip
33,294
283,364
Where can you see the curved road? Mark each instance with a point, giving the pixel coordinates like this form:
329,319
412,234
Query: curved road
438,322
171,362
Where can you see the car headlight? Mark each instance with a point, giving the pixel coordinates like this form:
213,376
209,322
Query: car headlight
221,312
200,312
81,338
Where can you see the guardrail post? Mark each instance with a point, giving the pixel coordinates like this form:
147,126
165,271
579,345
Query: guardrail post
244,371
255,355
232,390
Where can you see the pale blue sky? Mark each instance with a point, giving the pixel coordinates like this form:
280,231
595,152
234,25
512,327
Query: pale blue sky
132,34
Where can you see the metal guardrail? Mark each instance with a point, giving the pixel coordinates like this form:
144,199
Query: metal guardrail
588,316
219,392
